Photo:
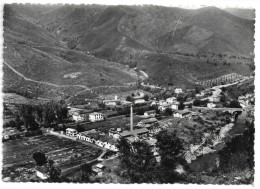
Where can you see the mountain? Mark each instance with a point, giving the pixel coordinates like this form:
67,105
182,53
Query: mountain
248,14
94,45
33,56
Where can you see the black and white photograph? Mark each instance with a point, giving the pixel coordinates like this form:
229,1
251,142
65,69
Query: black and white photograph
128,93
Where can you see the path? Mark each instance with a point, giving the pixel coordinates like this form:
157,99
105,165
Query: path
42,82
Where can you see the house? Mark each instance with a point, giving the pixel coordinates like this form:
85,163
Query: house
42,172
211,105
111,102
147,121
162,102
113,132
85,136
154,103
139,101
150,113
71,132
214,99
175,106
135,133
181,113
96,116
107,142
171,100
10,133
79,117
139,94
177,90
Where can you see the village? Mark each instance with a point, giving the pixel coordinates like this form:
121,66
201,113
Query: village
94,128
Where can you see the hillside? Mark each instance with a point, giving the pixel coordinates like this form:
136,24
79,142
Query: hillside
37,54
91,45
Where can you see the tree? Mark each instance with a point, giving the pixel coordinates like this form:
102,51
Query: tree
146,97
170,150
137,160
196,102
39,158
80,128
128,98
85,171
168,112
54,172
181,106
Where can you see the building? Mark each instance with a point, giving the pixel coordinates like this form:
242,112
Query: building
173,106
139,101
71,132
177,90
214,99
181,113
150,113
171,100
79,117
96,116
135,133
147,121
211,105
162,102
154,103
114,132
42,172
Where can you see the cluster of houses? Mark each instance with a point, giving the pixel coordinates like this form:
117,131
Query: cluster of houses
93,136
80,115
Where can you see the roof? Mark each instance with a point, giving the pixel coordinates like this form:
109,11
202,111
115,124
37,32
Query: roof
172,98
183,111
104,101
86,133
150,111
95,113
151,120
151,142
100,166
70,129
134,132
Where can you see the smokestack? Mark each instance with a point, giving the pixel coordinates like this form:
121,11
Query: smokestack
131,118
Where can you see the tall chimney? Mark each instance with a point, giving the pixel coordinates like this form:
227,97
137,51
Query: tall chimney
131,118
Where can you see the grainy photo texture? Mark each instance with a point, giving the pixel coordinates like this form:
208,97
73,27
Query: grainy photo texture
128,94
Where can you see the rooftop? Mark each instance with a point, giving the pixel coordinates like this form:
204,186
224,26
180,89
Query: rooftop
134,132
95,113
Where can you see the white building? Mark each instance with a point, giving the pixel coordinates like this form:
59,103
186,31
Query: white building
162,102
175,106
211,105
182,113
214,99
71,132
139,101
177,90
171,100
96,116
78,117
150,113
42,172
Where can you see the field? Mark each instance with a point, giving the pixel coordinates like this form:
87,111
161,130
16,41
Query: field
66,153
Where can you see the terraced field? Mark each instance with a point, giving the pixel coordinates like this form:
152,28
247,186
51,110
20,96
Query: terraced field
66,153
